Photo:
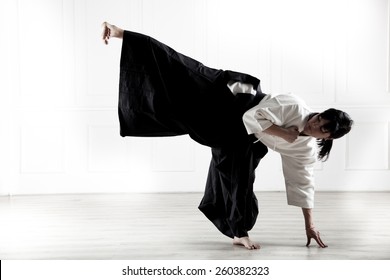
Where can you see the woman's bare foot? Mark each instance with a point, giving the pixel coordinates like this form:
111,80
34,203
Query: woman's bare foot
246,242
109,31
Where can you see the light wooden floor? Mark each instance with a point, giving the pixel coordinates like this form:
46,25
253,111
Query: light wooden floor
169,226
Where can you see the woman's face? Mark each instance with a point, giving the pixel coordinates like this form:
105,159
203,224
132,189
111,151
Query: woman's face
315,127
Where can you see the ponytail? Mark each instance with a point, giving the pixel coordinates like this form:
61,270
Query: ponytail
324,145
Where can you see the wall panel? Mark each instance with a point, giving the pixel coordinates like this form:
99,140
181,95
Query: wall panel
41,52
106,151
368,147
175,154
59,125
42,149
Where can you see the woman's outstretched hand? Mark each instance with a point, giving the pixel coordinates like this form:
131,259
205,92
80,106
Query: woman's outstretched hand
313,233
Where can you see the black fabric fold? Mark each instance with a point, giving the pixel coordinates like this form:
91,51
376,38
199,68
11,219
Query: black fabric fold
165,93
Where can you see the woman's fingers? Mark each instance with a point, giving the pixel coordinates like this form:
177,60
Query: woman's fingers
319,241
317,238
308,241
105,33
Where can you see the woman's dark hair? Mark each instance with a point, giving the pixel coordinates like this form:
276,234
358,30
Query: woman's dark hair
339,124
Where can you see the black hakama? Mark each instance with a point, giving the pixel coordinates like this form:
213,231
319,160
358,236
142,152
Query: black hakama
165,93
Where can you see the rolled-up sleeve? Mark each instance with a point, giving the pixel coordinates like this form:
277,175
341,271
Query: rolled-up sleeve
254,122
259,118
299,180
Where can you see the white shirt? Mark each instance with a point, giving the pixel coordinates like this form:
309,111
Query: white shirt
299,157
238,87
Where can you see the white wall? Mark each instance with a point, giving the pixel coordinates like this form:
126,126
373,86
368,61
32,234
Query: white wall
58,118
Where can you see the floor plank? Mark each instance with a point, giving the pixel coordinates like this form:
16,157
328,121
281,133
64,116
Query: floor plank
356,226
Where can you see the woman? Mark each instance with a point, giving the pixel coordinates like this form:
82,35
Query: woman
165,93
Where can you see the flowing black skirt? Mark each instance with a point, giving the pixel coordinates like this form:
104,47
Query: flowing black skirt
165,93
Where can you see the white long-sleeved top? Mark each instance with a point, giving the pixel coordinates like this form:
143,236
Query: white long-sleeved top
299,157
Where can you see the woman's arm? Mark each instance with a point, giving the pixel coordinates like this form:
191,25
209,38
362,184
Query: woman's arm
311,232
290,134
